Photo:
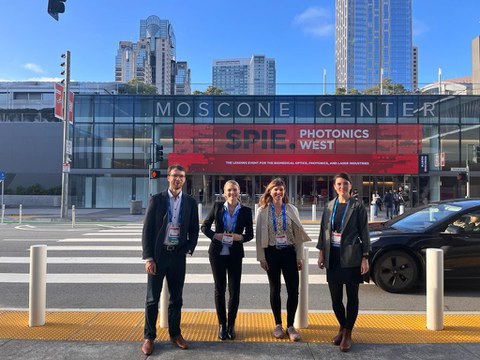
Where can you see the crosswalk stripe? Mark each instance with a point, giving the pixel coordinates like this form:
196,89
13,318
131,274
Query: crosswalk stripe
118,260
95,278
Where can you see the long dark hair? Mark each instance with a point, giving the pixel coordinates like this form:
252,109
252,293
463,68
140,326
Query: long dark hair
266,198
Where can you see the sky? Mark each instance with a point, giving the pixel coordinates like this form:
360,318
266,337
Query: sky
298,34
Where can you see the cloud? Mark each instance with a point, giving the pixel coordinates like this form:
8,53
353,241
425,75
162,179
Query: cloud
315,21
419,27
34,67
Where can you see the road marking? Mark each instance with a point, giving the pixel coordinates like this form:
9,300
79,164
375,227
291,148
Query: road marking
94,278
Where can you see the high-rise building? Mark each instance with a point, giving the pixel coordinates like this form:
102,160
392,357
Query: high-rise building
182,79
371,35
243,76
152,59
414,67
476,65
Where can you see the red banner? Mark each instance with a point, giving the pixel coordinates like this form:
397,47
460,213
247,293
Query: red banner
325,148
58,101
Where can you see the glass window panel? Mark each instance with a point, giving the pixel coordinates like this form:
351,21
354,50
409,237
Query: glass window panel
408,109
305,110
83,146
386,109
450,110
143,109
284,110
428,109
449,144
83,108
123,154
104,108
124,109
184,109
103,146
325,107
141,147
470,109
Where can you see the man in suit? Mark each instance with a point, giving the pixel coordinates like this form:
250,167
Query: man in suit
170,233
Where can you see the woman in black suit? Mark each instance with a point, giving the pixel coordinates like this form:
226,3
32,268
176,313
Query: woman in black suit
344,245
233,227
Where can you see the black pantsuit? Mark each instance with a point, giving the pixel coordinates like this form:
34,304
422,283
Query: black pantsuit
227,265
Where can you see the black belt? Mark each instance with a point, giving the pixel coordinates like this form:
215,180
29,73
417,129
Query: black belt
169,247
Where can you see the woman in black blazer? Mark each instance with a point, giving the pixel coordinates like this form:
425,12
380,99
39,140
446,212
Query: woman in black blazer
233,227
344,245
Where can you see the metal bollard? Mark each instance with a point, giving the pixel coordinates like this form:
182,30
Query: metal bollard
256,210
401,209
38,285
372,212
164,298
314,212
435,300
301,316
200,211
73,216
3,212
20,213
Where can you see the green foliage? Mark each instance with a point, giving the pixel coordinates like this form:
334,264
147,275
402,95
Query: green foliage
135,86
211,90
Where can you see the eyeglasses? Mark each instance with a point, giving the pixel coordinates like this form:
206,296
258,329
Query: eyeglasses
177,176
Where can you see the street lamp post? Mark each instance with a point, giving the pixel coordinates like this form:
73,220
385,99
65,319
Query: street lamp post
66,160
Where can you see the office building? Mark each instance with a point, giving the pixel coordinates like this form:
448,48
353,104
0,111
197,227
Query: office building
243,76
476,65
152,59
371,35
182,79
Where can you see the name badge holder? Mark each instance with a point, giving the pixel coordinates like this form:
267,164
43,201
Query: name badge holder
174,234
336,239
227,239
281,241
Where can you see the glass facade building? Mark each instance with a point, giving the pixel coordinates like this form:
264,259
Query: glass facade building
414,141
371,35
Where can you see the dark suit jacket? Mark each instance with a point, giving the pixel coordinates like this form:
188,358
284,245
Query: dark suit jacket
155,225
355,239
244,227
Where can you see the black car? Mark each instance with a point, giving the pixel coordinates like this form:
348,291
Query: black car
398,257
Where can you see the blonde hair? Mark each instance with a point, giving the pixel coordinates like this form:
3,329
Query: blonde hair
266,198
232,182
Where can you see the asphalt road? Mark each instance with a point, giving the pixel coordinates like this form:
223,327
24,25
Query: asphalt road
98,266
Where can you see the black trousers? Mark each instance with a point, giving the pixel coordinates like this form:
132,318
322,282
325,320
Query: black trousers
345,317
282,261
223,266
171,265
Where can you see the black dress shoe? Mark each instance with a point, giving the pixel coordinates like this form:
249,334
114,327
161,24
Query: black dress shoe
231,333
222,332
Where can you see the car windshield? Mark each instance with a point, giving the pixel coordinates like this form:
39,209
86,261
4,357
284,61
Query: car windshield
426,217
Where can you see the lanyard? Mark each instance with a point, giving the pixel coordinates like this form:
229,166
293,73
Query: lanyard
343,217
274,218
170,214
234,217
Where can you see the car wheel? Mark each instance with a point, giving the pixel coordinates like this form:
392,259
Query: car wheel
395,271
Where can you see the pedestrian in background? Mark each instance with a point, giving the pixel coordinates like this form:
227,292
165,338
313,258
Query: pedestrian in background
280,236
233,227
170,232
388,202
344,245
376,203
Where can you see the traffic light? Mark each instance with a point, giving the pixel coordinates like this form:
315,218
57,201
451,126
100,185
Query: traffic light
56,7
154,174
158,153
462,177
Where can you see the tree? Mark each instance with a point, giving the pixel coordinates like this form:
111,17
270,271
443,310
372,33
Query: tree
211,90
136,86
340,91
389,88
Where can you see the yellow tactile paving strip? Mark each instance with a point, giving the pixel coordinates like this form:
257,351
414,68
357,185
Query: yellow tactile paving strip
202,326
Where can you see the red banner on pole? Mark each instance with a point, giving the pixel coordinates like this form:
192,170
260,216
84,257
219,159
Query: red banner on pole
70,106
58,101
